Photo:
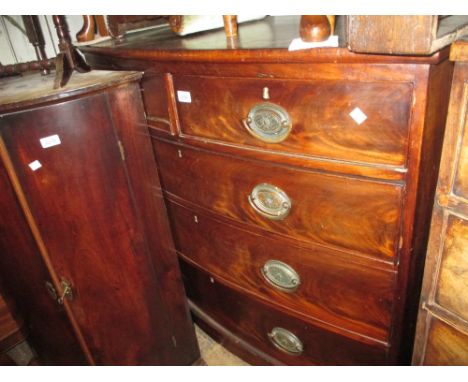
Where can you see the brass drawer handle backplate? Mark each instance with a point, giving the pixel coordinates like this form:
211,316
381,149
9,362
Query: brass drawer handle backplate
286,341
281,276
270,201
268,122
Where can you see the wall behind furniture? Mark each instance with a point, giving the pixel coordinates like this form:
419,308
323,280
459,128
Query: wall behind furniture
14,44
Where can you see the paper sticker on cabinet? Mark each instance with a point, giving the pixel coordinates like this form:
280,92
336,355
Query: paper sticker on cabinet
36,165
184,96
50,141
358,115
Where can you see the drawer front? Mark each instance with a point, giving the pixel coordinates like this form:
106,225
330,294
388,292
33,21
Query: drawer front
155,101
353,121
324,284
255,323
358,215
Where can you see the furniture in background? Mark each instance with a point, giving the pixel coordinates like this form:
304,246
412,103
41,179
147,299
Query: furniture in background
416,35
85,245
442,331
68,59
92,25
315,28
299,186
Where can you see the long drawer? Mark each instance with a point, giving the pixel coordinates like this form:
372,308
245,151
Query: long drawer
362,216
353,121
291,341
315,282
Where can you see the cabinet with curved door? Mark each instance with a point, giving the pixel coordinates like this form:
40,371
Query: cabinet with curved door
85,242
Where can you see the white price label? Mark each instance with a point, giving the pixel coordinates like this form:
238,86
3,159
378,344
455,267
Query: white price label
184,96
36,165
358,115
50,141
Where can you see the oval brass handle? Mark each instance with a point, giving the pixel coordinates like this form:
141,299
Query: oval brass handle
281,276
286,341
270,201
268,122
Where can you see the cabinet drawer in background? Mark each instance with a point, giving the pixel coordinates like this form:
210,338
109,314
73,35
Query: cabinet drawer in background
446,346
326,286
355,214
253,321
319,112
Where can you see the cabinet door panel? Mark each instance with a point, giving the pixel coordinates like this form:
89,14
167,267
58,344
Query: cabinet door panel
24,275
80,200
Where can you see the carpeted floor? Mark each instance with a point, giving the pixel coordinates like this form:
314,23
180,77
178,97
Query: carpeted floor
213,353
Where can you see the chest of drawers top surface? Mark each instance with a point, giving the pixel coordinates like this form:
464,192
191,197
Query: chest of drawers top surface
266,40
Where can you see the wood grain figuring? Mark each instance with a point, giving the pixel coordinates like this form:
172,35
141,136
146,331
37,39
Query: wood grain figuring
361,194
252,321
100,225
383,173
391,34
82,254
155,101
55,282
446,346
49,328
459,51
148,200
319,110
460,186
411,35
453,277
425,151
368,212
333,289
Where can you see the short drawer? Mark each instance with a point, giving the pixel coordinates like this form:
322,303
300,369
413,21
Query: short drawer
155,101
314,282
353,121
289,340
355,214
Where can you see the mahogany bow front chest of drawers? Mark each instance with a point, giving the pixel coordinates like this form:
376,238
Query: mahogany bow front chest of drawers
299,187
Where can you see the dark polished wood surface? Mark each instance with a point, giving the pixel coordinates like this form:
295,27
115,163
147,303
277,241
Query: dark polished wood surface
323,207
332,287
93,213
24,274
361,193
319,111
252,321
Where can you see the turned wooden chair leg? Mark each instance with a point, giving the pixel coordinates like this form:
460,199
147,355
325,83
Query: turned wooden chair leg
87,31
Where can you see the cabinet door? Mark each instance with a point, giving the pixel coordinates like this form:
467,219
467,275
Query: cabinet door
71,168
24,276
